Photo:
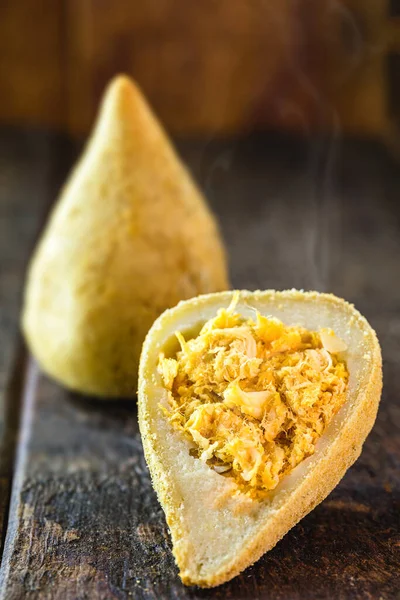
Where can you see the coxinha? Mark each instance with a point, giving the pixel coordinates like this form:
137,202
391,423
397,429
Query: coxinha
252,405
130,236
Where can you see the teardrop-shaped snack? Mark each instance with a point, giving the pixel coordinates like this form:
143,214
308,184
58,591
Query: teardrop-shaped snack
130,236
252,406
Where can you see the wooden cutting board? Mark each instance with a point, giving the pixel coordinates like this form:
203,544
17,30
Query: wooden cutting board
84,522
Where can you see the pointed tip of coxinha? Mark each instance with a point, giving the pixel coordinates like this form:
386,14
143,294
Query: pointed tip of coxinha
121,88
124,112
122,102
130,133
130,236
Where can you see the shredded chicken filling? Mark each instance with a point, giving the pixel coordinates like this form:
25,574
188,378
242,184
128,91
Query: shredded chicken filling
253,396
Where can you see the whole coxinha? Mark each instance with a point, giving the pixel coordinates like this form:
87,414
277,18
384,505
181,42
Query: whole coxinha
130,236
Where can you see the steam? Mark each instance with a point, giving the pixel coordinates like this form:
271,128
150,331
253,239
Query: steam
324,232
261,254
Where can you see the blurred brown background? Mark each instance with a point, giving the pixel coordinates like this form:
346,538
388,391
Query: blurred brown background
308,211
215,66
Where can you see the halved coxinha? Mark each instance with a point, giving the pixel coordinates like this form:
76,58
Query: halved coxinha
252,406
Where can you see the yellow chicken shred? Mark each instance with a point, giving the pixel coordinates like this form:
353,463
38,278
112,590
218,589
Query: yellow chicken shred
253,396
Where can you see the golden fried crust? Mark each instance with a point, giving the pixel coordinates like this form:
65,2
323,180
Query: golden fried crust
130,236
247,533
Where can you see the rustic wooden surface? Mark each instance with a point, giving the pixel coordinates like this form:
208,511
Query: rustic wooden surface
30,172
84,521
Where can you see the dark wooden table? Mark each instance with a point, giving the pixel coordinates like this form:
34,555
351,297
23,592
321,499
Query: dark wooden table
77,510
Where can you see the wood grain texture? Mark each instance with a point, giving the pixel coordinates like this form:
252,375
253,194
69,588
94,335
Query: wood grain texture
223,66
30,171
85,522
228,66
31,65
